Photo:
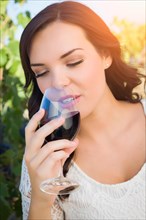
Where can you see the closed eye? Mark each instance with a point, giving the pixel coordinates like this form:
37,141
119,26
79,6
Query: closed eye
75,63
37,75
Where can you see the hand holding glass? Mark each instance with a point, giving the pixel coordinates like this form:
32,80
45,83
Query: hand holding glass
58,102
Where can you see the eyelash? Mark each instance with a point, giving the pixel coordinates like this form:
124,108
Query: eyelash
37,75
75,64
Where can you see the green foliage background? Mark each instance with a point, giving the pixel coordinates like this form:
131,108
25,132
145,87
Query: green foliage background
13,100
13,105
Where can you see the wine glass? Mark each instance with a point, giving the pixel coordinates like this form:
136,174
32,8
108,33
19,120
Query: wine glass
56,103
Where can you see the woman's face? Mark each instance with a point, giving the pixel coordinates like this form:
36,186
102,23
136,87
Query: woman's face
61,56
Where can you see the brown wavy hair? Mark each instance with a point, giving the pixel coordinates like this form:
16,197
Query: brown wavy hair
120,77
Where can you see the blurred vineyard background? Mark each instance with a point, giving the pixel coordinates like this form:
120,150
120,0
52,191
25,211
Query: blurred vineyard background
13,98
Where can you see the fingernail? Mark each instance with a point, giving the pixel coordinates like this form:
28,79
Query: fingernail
76,140
60,119
67,155
74,143
40,110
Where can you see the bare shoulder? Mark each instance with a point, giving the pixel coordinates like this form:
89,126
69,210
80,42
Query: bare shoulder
135,134
137,111
136,130
137,117
139,129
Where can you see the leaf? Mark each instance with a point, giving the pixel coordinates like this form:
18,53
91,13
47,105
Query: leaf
14,67
4,189
3,57
9,63
28,14
19,1
17,170
23,19
3,5
13,47
5,208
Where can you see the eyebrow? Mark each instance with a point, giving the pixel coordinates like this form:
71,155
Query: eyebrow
62,56
69,52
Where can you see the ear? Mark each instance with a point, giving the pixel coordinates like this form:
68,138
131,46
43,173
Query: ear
107,61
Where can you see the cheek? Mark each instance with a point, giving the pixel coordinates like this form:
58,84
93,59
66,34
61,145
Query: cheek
93,77
42,84
93,86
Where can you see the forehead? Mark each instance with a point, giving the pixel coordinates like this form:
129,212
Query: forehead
58,35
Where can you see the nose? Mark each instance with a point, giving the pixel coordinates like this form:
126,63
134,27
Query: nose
59,79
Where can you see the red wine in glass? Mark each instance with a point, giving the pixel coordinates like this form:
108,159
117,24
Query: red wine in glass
68,130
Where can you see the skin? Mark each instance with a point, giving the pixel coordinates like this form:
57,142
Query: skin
110,139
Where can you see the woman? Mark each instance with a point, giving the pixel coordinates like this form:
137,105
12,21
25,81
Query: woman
68,46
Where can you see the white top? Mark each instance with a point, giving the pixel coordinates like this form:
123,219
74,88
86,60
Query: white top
94,200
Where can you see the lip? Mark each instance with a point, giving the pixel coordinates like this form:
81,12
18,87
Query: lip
73,97
69,101
77,98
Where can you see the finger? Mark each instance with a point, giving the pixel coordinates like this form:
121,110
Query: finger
59,145
33,124
71,149
37,140
46,130
65,145
52,165
49,127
